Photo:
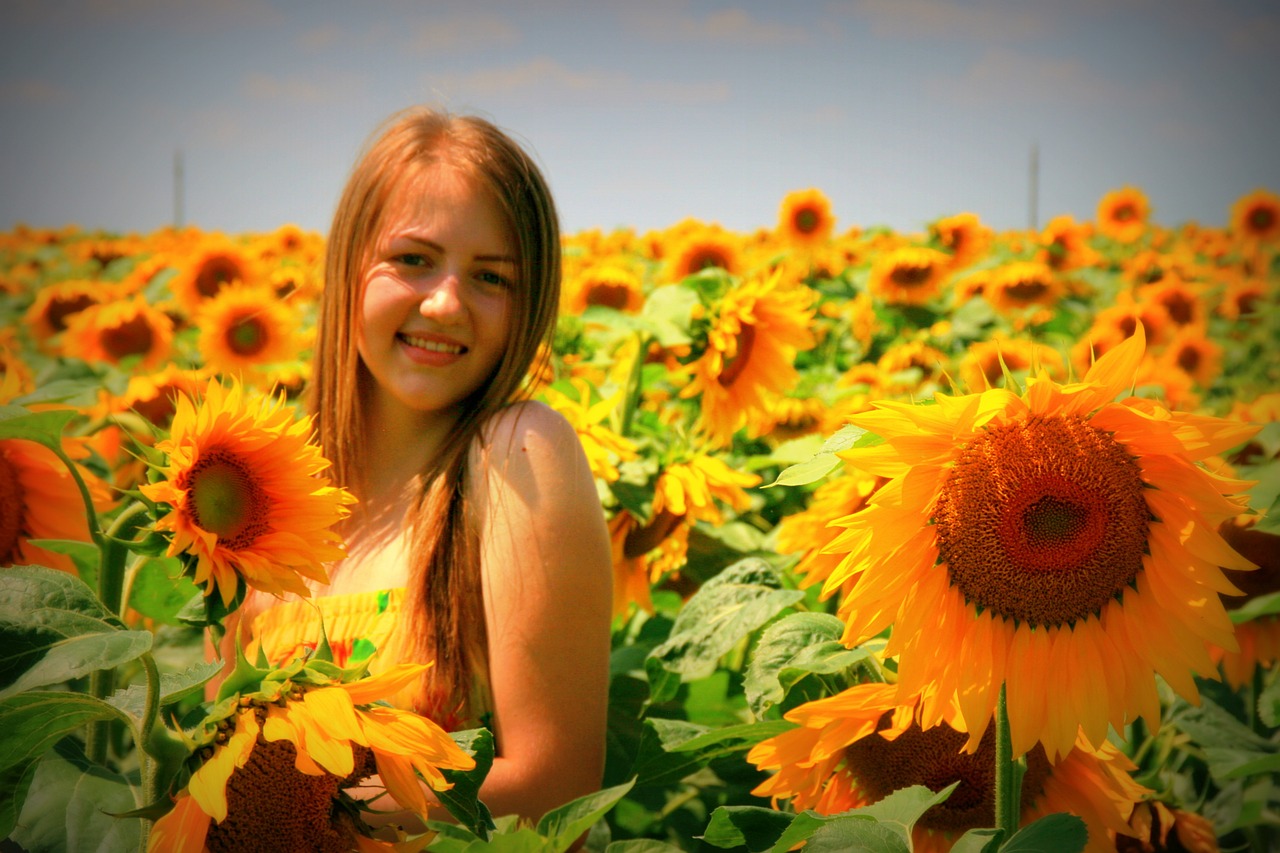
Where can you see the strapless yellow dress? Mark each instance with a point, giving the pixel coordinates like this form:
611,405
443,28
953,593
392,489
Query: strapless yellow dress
357,625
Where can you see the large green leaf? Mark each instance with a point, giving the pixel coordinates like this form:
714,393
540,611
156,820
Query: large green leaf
725,609
160,590
1055,833
852,833
53,628
174,686
1231,749
826,459
563,825
753,827
463,799
672,749
41,427
70,806
796,646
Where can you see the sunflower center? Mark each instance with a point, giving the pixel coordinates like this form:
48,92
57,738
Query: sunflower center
226,498
935,758
708,258
734,365
1043,521
1189,359
60,309
1181,308
214,273
807,220
608,294
1026,290
1124,213
910,275
131,337
1261,219
12,499
247,336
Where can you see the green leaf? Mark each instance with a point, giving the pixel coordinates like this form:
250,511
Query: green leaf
822,462
160,590
1231,748
53,628
70,807
642,845
41,427
463,799
797,645
725,609
756,828
174,687
1254,608
518,841
563,825
852,833
670,750
85,555
15,782
978,841
893,817
1055,833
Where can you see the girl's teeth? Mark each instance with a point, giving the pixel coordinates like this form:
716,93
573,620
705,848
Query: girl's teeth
434,346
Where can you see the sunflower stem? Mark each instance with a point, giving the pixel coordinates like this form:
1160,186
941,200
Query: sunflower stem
634,385
1008,773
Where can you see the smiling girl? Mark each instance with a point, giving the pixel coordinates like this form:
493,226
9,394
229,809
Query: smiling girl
478,541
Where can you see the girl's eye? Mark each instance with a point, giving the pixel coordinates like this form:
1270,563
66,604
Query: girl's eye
412,259
492,278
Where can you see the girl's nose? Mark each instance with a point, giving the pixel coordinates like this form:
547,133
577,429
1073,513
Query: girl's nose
443,300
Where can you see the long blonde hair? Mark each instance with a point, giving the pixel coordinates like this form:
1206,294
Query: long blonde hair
443,610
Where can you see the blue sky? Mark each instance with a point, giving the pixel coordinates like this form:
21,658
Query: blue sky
643,113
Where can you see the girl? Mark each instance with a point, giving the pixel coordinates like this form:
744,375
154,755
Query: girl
478,541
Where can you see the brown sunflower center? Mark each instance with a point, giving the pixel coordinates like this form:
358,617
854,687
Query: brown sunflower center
1124,213
707,258
1026,290
1189,359
132,337
59,310
910,275
935,758
1181,308
807,220
12,497
1261,219
734,365
215,272
247,336
225,498
1043,521
608,294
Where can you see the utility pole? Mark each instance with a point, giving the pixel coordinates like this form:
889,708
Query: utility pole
178,178
1033,205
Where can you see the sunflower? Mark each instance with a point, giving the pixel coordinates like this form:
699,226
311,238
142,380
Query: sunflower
1157,828
115,331
910,364
804,219
1256,216
1193,352
273,763
706,247
963,236
56,304
630,571
749,359
984,363
1258,639
1051,531
809,531
16,376
1123,213
245,327
211,265
1021,285
1065,244
1246,298
247,499
695,487
909,275
604,448
611,284
858,746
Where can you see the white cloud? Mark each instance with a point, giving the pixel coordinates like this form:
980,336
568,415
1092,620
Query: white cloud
1004,76
675,20
953,19
465,32
546,76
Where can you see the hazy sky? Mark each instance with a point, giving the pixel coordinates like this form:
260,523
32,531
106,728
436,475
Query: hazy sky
643,112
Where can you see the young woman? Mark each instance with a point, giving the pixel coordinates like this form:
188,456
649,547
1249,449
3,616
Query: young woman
478,541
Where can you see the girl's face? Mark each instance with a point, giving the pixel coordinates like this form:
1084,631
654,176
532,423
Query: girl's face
435,315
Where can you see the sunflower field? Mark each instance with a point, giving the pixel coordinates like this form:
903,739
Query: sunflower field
957,540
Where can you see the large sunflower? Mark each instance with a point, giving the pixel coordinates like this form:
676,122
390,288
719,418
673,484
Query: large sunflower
211,265
858,746
245,327
749,359
1055,531
274,762
112,332
247,497
1021,285
611,284
56,304
697,249
804,219
1123,214
963,236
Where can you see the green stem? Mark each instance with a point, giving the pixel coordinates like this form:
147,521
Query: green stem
634,385
1008,773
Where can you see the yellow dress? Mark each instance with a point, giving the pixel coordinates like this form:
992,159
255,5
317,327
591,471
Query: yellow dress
357,624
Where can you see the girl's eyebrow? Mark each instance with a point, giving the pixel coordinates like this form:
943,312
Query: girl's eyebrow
436,247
